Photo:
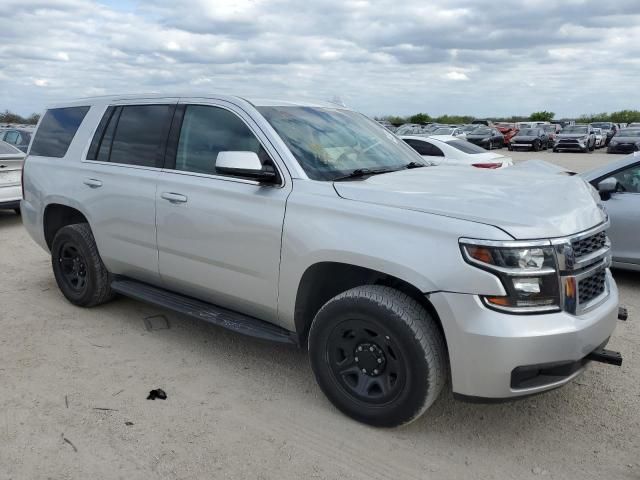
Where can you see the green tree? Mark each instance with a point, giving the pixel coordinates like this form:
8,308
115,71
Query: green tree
625,116
542,116
420,118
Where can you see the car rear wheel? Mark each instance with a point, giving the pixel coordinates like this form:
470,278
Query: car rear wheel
377,355
78,269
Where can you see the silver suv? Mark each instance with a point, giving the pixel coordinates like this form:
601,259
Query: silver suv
310,224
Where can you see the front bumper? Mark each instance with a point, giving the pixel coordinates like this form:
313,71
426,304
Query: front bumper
486,347
622,148
571,144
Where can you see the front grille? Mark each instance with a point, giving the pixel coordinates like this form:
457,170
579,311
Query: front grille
591,287
589,245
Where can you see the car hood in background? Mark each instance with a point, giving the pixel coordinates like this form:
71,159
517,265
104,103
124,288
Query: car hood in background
525,204
626,139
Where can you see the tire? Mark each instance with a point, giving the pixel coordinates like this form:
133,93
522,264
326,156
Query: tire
490,145
555,150
592,147
536,146
80,274
510,148
390,329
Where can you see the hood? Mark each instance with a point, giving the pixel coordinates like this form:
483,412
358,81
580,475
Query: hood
618,138
573,135
525,204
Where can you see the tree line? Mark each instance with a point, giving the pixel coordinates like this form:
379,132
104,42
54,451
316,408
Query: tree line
10,117
623,116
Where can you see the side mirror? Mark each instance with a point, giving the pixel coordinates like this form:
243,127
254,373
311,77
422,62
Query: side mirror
243,164
606,187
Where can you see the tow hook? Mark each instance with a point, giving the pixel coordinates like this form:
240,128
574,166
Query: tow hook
605,356
623,314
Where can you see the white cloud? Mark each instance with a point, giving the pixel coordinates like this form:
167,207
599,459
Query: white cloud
380,57
453,75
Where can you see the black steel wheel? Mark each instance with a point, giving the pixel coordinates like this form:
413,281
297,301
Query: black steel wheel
366,361
377,355
73,267
80,274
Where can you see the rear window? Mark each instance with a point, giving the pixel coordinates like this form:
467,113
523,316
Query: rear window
6,149
466,147
56,131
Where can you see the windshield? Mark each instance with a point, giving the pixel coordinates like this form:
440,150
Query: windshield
482,131
531,132
549,128
604,125
574,129
628,133
443,131
466,147
330,143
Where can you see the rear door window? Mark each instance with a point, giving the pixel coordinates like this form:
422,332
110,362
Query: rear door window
56,131
141,135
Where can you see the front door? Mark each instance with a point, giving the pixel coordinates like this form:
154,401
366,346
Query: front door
219,236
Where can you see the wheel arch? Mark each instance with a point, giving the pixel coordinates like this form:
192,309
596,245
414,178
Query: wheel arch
324,280
58,215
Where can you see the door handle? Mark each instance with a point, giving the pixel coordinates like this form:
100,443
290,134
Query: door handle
174,197
92,182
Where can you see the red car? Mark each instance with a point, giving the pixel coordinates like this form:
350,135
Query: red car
508,130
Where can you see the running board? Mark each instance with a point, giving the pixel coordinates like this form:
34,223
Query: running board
191,307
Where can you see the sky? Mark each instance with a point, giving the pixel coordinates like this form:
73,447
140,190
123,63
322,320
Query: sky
387,57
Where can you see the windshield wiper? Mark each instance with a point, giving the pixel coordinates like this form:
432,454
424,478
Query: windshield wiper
414,165
363,172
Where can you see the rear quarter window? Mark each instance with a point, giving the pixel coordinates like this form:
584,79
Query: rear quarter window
56,131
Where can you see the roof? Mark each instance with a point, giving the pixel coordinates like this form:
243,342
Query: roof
257,102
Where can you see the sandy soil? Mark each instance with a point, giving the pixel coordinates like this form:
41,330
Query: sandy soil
73,387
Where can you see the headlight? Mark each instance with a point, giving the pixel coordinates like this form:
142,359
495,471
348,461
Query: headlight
527,271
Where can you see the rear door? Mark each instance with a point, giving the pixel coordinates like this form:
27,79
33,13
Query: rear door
118,185
219,236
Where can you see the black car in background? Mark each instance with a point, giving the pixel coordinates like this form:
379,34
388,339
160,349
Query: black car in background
19,138
530,138
486,137
627,140
609,128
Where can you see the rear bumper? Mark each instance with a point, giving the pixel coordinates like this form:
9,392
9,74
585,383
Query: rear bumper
10,197
489,350
9,204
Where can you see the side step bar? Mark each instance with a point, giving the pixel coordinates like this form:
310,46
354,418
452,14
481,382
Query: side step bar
191,307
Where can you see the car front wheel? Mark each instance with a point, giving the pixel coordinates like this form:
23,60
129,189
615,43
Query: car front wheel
378,355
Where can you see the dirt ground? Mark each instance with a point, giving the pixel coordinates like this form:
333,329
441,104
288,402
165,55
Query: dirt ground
74,382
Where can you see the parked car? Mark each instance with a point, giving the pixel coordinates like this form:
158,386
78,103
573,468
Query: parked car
626,140
531,139
453,151
10,172
609,128
619,186
601,137
388,125
633,125
508,131
576,137
19,138
552,131
486,123
277,220
486,137
454,132
411,129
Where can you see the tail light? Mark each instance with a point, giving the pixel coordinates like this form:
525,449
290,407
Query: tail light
24,162
487,165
